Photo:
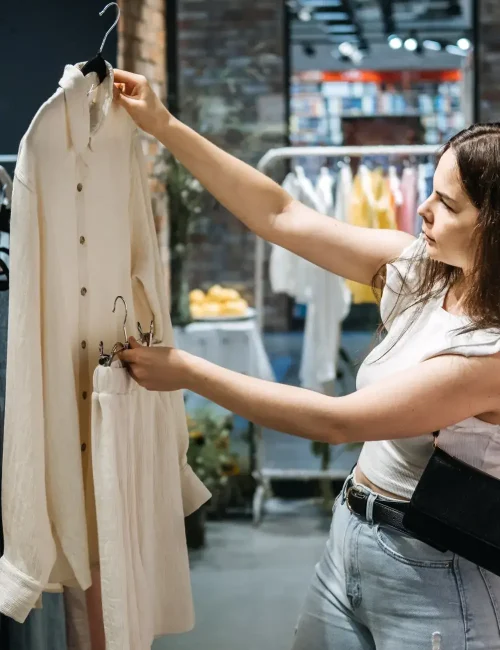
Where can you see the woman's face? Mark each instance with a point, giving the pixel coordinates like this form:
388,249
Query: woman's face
449,217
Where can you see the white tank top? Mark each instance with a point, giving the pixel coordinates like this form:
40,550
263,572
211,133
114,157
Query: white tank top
396,465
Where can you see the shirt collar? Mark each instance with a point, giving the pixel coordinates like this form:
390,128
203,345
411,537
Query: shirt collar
87,103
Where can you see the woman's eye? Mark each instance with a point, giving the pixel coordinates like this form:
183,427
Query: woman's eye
446,205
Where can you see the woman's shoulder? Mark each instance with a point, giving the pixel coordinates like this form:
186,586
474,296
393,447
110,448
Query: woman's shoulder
402,278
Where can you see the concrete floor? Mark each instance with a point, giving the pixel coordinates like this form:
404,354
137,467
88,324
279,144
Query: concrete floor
249,583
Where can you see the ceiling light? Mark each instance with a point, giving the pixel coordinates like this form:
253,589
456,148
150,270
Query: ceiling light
341,29
321,3
346,49
305,14
351,51
435,46
395,42
454,49
331,15
464,44
411,44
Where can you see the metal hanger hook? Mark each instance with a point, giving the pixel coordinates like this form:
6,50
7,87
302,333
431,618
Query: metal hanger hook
118,14
126,316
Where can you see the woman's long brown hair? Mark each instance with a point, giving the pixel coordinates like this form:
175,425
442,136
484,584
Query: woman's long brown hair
477,151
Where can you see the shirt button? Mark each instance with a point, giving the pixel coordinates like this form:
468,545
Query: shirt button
83,291
84,345
84,447
79,187
82,240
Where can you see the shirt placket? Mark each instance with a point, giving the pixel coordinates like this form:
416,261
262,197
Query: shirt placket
82,243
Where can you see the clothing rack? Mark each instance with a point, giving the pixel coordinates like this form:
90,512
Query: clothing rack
283,153
262,474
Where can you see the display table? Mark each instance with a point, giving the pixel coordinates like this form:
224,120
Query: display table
236,345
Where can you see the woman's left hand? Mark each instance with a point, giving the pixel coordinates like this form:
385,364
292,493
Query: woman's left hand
158,368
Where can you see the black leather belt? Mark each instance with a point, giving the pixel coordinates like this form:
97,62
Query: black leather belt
386,512
389,513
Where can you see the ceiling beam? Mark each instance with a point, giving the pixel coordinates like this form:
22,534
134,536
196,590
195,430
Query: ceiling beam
349,8
386,9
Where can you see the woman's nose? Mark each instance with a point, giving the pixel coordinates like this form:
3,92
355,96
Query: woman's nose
425,211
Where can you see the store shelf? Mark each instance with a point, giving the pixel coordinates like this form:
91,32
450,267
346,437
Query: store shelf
319,102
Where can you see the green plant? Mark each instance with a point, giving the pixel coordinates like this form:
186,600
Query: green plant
185,197
209,450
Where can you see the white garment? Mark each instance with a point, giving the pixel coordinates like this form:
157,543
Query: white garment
82,233
325,190
142,544
328,306
396,465
343,194
326,295
289,273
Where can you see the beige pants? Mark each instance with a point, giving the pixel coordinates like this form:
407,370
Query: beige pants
140,518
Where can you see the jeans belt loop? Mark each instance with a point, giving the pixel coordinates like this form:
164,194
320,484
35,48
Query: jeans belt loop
345,488
369,508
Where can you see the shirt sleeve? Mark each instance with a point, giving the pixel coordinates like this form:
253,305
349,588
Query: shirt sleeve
148,275
151,276
30,550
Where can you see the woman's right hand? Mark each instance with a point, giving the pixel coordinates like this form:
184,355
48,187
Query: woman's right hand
135,94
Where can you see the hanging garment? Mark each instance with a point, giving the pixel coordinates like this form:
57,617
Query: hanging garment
328,306
289,273
5,213
343,194
45,629
82,232
140,513
409,188
372,206
325,190
77,619
326,295
397,195
282,262
425,183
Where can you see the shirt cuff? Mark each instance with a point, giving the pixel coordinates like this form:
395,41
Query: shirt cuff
194,492
18,592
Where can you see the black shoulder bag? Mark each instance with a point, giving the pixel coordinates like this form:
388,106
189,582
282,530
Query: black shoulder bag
456,507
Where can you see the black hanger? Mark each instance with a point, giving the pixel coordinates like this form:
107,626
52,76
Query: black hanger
98,64
4,218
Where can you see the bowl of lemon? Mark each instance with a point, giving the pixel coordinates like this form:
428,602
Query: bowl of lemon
218,303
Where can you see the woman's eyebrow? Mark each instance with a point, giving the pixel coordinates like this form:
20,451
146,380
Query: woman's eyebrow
445,196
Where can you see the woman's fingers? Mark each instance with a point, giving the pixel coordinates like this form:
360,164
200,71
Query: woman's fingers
130,79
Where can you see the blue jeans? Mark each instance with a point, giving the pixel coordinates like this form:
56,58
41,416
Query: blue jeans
378,589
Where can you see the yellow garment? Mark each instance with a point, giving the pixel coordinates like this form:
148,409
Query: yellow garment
372,206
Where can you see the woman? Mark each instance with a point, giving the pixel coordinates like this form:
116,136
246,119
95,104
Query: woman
438,368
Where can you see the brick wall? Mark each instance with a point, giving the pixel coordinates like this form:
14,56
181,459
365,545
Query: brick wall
489,60
232,89
142,49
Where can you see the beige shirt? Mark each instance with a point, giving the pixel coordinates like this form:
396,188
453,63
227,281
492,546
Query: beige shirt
82,234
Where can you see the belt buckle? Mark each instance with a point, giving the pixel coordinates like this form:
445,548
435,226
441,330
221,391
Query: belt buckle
351,488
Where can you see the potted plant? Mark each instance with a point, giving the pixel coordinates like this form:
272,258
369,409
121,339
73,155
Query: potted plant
185,197
212,461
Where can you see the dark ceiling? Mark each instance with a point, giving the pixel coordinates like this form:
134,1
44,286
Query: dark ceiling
369,22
